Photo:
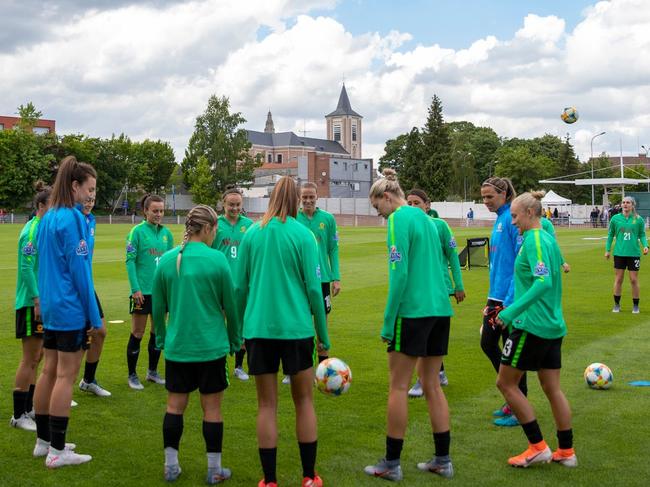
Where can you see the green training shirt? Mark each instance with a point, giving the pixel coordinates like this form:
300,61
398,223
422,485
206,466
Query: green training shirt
27,271
547,226
323,226
145,244
449,256
197,299
279,283
537,307
416,273
433,213
627,231
229,237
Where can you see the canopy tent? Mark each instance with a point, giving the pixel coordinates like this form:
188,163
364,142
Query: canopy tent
553,199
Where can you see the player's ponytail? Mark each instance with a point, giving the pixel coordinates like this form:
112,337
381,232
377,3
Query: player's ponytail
387,184
43,193
69,170
501,185
284,201
198,218
531,200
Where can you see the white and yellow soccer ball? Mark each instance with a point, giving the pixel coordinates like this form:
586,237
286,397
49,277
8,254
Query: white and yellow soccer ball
569,115
333,377
598,376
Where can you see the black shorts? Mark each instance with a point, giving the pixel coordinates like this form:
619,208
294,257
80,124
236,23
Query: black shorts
264,355
26,324
208,377
66,341
327,298
421,337
145,309
525,351
629,263
99,306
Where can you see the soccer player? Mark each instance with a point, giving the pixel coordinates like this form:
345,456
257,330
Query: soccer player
68,307
280,299
628,228
193,282
416,325
145,244
420,199
29,328
323,226
497,195
89,383
230,230
536,328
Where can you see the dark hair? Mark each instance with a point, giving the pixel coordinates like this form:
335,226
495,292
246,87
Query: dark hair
147,199
284,201
231,190
43,193
69,170
501,185
420,194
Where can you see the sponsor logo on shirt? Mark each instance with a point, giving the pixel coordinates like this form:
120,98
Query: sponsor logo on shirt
129,247
500,227
520,239
541,269
29,249
82,248
452,243
336,237
394,256
321,226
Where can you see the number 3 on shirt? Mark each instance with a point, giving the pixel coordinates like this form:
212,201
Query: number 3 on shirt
507,348
233,252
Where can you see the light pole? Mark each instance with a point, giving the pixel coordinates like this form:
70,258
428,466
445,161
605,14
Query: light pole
592,165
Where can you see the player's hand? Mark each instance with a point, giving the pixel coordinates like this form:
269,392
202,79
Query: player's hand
138,298
499,322
607,255
336,287
319,346
460,296
566,267
92,332
645,250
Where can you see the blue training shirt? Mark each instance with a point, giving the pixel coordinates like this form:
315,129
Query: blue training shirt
65,279
504,245
92,224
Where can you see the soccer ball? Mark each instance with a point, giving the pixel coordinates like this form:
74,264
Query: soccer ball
333,377
598,376
569,115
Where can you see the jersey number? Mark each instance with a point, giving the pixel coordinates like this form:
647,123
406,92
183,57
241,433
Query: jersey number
507,348
157,259
233,252
627,236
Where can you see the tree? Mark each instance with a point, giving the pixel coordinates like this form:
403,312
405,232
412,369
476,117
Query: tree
202,183
434,178
218,139
157,160
394,153
523,169
28,116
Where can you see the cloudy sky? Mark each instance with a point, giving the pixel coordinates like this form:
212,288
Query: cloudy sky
147,68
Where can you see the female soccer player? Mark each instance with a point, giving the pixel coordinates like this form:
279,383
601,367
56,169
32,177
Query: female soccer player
420,199
280,254
193,282
416,325
497,195
89,383
29,328
68,306
145,244
628,229
230,230
536,329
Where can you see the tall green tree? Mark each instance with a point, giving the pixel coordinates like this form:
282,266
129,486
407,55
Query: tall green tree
29,116
218,137
157,160
434,178
524,170
202,183
394,153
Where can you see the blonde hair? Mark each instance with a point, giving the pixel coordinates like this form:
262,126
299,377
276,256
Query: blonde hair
309,185
284,201
501,185
633,201
198,218
387,184
531,199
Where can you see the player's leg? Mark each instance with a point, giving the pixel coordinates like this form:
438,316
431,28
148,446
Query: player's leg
634,282
42,394
302,387
89,382
25,378
267,428
619,274
138,325
173,430
154,353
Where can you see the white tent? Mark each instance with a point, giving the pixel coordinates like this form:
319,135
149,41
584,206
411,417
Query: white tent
553,199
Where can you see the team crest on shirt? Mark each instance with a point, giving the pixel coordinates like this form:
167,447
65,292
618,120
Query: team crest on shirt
82,248
452,243
394,256
520,239
164,239
92,232
321,226
29,249
242,229
500,227
129,247
541,269
336,237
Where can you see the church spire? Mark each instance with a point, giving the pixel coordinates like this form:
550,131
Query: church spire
343,107
269,128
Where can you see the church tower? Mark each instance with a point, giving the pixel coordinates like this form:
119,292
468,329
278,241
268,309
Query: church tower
269,128
344,125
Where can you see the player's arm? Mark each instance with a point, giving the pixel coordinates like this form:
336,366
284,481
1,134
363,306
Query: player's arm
333,253
642,235
241,279
170,240
311,274
398,250
611,233
159,308
229,304
28,265
451,254
132,242
516,242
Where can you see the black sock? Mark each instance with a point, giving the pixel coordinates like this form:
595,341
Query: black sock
533,433
154,353
308,458
565,439
268,459
441,442
20,397
43,427
635,301
393,448
29,401
132,353
89,371
322,357
239,358
617,299
442,367
523,384
213,436
172,430
58,428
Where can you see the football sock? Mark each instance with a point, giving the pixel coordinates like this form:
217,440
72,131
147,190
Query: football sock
533,433
322,357
239,358
393,448
441,442
58,428
89,371
617,299
565,439
308,458
132,353
213,436
29,400
635,301
43,427
442,367
172,430
20,398
268,457
154,353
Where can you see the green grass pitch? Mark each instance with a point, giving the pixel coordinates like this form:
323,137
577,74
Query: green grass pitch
123,432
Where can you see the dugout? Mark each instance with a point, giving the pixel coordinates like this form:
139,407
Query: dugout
476,253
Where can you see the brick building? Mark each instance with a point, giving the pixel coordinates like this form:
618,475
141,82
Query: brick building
42,126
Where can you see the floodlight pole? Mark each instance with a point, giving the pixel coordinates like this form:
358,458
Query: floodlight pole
592,165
